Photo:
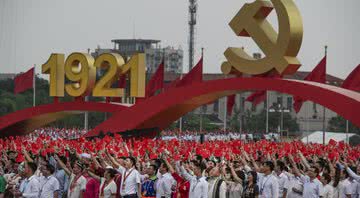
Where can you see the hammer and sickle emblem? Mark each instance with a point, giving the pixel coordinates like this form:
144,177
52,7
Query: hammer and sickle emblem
280,49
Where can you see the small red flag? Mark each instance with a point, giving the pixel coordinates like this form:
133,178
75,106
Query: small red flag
230,104
260,96
317,75
24,81
257,97
194,76
156,82
332,142
352,82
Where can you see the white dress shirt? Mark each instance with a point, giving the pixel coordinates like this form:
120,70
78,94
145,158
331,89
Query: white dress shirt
80,186
164,184
312,188
212,182
198,186
268,186
328,191
282,180
30,187
345,188
293,182
356,187
109,189
48,186
130,185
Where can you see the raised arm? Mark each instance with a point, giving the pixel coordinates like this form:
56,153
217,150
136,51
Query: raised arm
295,168
171,169
256,167
26,155
113,161
304,160
233,173
185,174
352,174
62,165
93,175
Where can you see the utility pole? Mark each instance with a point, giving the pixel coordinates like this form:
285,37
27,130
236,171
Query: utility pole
192,23
324,110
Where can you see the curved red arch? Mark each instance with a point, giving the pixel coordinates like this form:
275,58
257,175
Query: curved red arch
24,121
160,111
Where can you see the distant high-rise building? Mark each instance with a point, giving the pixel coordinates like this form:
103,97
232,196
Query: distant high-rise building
154,53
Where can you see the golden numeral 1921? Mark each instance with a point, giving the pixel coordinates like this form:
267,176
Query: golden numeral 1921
80,70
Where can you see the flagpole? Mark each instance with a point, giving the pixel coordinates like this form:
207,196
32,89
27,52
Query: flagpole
324,110
34,86
225,112
201,109
347,131
181,118
267,112
86,117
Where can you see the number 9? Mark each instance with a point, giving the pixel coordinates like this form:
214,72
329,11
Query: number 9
80,70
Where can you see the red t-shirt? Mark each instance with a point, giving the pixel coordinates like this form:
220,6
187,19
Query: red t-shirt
92,188
183,186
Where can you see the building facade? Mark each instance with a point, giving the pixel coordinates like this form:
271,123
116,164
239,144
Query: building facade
309,118
173,57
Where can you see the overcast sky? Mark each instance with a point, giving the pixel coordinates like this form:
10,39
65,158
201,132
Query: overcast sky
30,30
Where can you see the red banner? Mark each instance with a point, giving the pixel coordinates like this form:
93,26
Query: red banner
24,81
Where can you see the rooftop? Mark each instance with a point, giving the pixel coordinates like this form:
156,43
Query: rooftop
300,75
126,41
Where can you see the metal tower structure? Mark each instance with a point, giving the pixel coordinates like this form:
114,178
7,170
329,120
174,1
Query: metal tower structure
192,23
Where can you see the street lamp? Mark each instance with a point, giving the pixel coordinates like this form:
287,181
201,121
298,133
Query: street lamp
281,110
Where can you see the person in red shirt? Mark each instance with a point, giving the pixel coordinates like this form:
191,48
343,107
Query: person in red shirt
182,185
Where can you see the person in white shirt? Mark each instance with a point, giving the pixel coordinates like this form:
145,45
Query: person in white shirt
355,179
217,186
328,189
198,183
280,170
268,183
49,184
165,182
312,187
130,179
30,187
345,187
293,187
78,182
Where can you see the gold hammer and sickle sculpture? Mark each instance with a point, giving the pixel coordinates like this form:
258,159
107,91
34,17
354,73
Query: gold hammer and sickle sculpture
280,49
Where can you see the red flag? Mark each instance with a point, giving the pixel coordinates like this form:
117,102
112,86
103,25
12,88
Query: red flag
260,96
352,82
24,81
257,97
230,104
156,82
317,75
332,142
194,76
173,84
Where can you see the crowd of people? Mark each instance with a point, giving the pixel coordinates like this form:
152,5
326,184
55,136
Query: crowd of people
58,133
44,166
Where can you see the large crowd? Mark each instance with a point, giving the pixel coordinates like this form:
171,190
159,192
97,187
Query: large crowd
46,165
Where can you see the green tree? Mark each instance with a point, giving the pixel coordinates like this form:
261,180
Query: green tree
257,122
338,124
